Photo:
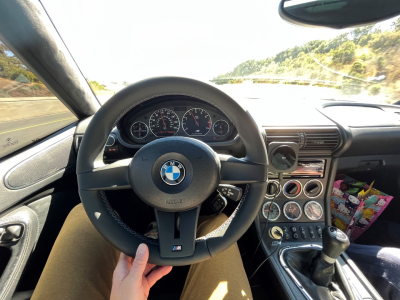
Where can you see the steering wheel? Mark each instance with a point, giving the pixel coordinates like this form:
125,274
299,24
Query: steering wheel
173,175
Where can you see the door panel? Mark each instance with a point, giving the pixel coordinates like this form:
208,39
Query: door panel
34,168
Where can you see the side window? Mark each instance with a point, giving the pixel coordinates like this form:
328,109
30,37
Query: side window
29,111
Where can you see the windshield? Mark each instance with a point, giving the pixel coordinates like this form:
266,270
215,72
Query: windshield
233,44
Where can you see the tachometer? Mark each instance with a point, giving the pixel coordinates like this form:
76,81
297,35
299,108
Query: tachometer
164,122
292,210
139,130
196,121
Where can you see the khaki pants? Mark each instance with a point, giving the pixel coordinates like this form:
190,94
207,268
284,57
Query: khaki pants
82,262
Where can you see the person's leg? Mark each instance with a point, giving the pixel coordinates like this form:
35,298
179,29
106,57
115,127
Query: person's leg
221,277
81,263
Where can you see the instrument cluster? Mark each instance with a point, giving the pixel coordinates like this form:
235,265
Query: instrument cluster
181,116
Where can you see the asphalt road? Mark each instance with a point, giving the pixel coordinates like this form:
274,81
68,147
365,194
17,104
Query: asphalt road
20,133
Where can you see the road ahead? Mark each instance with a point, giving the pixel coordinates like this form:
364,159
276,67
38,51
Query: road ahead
22,122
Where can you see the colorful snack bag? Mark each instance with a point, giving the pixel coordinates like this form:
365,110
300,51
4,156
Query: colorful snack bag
354,214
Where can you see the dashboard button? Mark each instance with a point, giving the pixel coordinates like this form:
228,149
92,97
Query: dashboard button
311,232
293,229
295,236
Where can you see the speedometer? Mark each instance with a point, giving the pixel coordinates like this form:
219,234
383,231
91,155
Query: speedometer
164,122
196,121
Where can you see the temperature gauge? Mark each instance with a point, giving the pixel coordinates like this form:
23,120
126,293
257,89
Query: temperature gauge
292,210
221,127
139,130
271,211
313,210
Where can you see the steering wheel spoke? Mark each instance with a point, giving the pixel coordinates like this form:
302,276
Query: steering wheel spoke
109,177
177,232
240,171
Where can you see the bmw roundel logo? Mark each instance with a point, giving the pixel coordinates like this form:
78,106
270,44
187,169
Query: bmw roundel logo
172,172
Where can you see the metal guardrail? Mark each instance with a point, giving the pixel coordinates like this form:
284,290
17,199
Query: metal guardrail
281,80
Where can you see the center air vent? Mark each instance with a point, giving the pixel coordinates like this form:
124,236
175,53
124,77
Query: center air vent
307,138
321,140
283,136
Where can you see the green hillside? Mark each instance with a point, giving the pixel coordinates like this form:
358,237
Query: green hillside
364,53
16,80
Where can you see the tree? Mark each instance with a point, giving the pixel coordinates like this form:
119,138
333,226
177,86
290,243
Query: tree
374,89
345,54
97,86
358,33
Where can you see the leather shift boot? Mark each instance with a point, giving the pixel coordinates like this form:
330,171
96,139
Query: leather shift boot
329,285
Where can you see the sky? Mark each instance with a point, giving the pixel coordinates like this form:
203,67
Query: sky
130,40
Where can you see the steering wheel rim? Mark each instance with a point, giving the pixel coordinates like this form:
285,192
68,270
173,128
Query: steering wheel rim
94,177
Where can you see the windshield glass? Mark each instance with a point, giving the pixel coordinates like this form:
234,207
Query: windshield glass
235,45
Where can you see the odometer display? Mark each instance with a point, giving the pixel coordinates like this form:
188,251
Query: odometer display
164,122
196,121
292,210
271,211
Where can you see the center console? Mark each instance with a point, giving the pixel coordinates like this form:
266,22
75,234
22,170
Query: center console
292,224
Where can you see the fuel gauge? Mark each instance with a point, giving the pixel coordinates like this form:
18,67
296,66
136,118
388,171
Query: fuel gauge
313,210
221,127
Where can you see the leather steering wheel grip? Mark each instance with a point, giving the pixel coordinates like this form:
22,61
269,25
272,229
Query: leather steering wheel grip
90,162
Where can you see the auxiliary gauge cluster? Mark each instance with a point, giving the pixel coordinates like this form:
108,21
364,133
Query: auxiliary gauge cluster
294,201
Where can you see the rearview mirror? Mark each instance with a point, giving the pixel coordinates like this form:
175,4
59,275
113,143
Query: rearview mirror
337,13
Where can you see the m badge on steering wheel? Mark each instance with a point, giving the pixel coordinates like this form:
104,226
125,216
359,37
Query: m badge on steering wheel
172,172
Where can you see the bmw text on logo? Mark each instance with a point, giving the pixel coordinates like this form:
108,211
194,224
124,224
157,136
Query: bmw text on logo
178,201
172,172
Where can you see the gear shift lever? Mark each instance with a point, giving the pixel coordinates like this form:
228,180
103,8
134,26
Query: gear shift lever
334,242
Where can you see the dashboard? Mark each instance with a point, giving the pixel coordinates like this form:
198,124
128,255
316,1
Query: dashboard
175,116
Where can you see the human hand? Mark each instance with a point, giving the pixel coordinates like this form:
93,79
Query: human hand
129,279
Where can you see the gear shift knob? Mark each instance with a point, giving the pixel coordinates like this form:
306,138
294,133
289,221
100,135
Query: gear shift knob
334,242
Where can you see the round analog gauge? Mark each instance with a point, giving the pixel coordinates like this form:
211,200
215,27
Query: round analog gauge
196,121
139,130
221,127
271,211
292,210
164,122
313,210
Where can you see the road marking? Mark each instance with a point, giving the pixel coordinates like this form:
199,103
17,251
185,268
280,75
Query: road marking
36,125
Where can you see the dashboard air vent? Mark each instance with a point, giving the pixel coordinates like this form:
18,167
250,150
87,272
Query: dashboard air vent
306,138
327,140
285,136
